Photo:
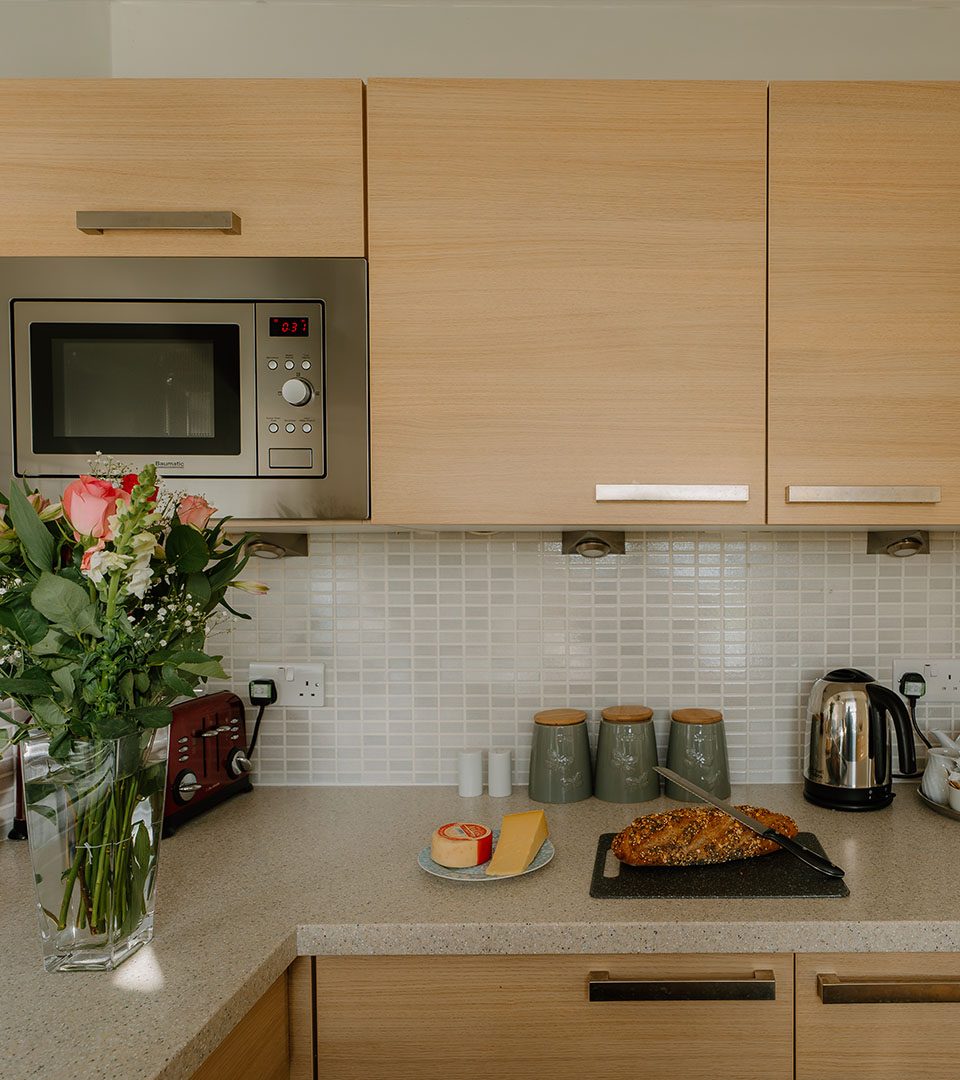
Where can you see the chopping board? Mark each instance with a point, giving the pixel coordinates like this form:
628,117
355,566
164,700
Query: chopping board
769,877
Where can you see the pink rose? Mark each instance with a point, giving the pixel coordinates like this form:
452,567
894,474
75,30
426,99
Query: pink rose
195,510
89,553
88,504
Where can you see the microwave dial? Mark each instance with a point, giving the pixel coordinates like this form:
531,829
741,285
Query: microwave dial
297,392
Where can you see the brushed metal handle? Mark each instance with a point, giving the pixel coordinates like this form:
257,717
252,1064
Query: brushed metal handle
95,222
673,493
895,990
760,986
838,493
210,733
185,789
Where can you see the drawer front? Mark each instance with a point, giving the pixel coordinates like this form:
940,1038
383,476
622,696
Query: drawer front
882,1016
691,1017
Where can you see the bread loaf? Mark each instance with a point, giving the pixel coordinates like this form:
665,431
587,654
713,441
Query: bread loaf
697,835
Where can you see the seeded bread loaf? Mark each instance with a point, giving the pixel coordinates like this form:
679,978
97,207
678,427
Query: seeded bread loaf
697,835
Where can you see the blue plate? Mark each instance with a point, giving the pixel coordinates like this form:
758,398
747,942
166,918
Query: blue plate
479,873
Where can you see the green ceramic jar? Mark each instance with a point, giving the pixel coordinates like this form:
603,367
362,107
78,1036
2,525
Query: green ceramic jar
560,767
626,755
698,751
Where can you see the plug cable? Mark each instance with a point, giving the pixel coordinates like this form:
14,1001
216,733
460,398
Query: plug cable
913,686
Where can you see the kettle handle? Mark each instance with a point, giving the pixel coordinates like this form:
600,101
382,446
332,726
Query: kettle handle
887,701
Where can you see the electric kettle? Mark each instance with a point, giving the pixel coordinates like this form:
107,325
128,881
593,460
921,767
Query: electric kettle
848,764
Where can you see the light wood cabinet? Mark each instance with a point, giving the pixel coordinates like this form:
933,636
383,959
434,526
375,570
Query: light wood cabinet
285,155
257,1048
567,290
864,301
882,1016
516,1017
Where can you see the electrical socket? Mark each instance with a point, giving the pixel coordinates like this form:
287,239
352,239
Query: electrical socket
942,677
298,685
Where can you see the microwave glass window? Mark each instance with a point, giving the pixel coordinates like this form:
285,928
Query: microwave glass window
135,388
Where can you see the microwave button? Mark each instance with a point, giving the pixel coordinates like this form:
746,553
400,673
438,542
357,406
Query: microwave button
307,428
274,428
291,458
289,365
306,365
291,428
272,365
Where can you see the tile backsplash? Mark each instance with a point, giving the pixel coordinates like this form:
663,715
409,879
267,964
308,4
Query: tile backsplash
434,642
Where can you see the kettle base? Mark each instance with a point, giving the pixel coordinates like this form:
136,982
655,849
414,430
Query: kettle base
853,799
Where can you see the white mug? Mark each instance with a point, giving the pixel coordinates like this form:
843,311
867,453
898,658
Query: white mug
953,793
940,763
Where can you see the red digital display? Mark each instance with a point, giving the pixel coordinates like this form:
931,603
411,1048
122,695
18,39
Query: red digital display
288,326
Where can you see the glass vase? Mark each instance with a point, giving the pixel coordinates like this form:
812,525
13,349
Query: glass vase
93,823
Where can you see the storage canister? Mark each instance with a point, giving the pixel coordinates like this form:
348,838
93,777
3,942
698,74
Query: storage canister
560,767
626,755
698,751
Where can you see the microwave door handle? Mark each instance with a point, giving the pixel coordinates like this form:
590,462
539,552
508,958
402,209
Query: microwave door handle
96,222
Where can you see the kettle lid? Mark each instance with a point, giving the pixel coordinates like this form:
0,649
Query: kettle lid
849,675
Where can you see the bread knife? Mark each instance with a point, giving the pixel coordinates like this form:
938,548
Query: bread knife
804,854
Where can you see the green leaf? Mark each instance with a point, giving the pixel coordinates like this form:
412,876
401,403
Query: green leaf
49,714
198,663
35,537
151,779
113,726
186,549
49,645
61,745
126,687
64,679
5,739
65,604
175,682
152,716
24,620
36,684
199,588
141,680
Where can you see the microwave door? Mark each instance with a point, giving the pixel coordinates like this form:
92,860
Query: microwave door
172,383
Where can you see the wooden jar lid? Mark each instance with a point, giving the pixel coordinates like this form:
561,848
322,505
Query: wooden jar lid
697,716
558,717
627,714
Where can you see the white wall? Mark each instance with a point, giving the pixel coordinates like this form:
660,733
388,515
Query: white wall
784,39
54,37
641,39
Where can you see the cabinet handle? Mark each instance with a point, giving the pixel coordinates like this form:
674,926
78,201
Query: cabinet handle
896,990
837,493
761,986
97,221
673,493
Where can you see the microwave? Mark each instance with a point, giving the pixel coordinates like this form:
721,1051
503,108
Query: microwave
244,378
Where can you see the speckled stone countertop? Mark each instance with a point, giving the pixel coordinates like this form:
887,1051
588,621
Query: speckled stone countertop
333,870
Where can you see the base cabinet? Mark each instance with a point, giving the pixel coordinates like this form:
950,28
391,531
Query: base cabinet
691,1017
882,1016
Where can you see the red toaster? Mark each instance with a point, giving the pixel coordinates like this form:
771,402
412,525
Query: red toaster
207,760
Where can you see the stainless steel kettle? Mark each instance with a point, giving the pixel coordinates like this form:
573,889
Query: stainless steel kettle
848,765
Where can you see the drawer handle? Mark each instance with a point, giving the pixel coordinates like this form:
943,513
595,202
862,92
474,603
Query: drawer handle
95,222
896,990
761,986
673,493
836,493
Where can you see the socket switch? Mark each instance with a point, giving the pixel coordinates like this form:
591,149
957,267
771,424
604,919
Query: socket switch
298,685
942,677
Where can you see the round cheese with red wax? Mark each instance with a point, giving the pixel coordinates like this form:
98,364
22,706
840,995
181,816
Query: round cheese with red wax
460,844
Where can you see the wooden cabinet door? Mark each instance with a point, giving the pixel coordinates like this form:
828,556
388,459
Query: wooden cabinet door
285,155
566,290
864,319
517,1017
881,1016
257,1048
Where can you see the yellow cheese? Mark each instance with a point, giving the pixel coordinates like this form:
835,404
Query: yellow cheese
521,836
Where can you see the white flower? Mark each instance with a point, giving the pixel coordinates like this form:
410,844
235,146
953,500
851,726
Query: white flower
140,571
102,562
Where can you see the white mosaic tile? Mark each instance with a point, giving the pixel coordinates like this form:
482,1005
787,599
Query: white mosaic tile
438,641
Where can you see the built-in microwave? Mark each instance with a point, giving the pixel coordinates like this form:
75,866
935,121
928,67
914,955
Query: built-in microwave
245,377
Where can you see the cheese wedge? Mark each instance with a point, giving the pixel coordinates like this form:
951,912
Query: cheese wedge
521,836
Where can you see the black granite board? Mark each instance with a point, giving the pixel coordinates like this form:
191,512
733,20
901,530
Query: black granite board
779,876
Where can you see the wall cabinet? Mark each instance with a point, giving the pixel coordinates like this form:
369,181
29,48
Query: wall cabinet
515,1017
864,315
885,1016
285,155
567,290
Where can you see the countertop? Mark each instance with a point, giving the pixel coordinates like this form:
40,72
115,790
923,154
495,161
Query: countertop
284,871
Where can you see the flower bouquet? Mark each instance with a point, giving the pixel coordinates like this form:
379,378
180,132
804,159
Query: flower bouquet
105,602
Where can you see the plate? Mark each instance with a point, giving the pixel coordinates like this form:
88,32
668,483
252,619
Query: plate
478,873
947,811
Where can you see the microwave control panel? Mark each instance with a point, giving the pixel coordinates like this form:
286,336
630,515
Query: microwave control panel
290,428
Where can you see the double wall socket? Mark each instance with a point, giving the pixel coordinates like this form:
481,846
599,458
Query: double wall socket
942,677
297,684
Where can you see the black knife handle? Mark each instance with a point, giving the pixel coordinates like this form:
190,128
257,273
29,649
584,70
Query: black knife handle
811,858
